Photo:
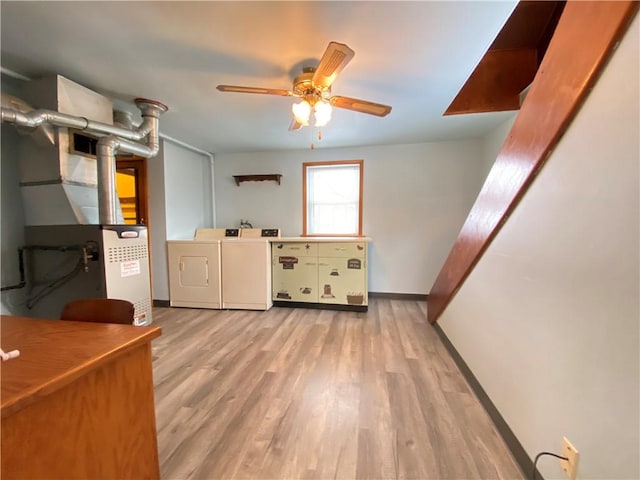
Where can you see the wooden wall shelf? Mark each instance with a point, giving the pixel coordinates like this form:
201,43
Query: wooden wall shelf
257,178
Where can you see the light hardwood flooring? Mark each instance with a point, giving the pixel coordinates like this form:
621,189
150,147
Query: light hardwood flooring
317,394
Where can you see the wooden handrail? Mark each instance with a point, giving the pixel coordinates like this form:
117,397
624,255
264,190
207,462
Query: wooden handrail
585,38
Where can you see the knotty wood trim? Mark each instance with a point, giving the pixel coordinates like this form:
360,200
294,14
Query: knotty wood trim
584,39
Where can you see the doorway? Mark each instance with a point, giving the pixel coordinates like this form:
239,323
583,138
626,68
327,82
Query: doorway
131,184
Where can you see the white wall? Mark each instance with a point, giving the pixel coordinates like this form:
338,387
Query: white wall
549,319
158,226
416,198
493,141
12,229
188,191
180,201
12,218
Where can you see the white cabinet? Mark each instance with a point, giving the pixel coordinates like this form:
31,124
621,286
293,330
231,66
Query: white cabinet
320,272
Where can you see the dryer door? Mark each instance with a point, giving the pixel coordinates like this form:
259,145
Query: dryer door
193,271
194,274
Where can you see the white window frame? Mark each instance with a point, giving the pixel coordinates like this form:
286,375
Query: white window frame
308,230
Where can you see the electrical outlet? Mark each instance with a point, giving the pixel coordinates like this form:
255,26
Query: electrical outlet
570,466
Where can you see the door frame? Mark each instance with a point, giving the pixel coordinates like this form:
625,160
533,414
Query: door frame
139,165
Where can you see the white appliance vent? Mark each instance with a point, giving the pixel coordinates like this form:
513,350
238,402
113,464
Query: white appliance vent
127,253
142,312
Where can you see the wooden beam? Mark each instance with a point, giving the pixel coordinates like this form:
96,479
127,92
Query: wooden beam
511,62
574,59
496,83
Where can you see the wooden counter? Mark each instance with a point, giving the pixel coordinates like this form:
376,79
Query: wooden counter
78,402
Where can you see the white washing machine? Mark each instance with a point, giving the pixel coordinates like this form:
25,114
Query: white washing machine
194,270
246,269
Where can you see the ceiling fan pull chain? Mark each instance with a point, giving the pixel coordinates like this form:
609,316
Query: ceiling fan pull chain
312,146
319,134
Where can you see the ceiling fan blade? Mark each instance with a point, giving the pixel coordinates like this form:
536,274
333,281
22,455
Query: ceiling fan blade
362,106
266,91
295,125
334,59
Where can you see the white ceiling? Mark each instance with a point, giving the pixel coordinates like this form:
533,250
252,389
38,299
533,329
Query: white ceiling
414,56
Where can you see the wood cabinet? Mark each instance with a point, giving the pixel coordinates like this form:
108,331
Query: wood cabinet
78,401
322,273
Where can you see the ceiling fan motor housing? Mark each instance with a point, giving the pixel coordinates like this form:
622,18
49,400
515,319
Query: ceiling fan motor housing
304,87
313,85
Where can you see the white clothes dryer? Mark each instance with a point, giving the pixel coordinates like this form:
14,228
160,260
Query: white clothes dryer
194,270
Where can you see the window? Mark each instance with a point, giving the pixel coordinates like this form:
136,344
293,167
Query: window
332,198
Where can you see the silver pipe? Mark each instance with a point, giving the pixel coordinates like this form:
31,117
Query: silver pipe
123,119
11,73
35,118
115,139
107,208
137,134
18,112
44,134
107,148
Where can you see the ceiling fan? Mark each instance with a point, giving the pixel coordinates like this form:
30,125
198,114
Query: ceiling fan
313,86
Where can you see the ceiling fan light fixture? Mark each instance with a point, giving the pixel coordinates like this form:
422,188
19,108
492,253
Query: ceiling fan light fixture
322,113
313,88
301,112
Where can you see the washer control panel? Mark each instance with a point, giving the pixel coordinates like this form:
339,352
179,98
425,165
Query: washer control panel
270,232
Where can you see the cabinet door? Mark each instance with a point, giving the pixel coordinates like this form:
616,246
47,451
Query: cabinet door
342,281
295,278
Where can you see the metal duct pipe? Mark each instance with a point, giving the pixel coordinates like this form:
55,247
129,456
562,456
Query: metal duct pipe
107,148
116,139
123,119
36,118
44,134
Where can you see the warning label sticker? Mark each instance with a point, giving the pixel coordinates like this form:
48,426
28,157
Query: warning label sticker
130,268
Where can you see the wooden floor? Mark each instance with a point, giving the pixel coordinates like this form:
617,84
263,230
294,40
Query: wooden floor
317,394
